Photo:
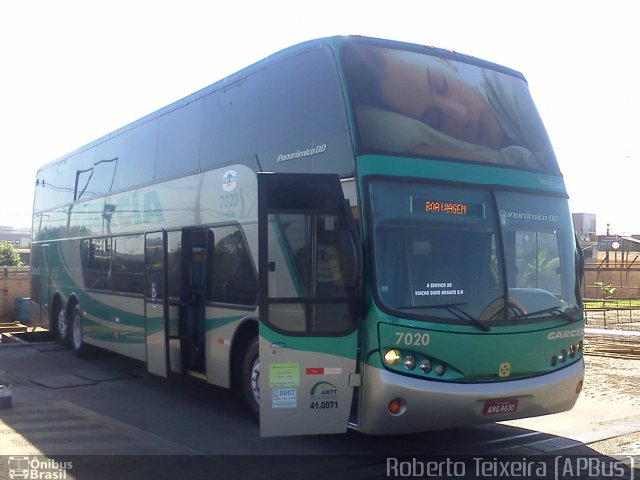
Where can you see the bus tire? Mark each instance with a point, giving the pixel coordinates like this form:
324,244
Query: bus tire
76,335
251,378
61,327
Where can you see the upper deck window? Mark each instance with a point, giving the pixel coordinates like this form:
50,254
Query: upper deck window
412,103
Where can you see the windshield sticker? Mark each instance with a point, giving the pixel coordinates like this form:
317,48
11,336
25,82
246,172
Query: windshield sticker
328,267
284,375
438,288
284,398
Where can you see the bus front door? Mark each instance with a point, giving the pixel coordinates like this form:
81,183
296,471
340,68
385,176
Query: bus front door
156,305
309,266
195,244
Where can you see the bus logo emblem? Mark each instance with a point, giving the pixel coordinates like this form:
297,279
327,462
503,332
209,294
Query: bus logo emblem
229,180
504,370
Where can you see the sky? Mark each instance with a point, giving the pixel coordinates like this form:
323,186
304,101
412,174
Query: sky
72,71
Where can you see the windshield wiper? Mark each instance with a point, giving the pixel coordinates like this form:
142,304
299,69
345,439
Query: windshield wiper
566,314
454,309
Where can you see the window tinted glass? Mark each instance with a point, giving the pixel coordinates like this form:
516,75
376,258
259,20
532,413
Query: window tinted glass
435,247
232,277
96,262
113,264
291,115
304,126
127,266
444,253
539,244
174,257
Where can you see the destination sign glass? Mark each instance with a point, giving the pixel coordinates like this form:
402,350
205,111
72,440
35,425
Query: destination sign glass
447,207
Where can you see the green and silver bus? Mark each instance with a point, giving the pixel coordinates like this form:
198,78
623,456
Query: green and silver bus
352,233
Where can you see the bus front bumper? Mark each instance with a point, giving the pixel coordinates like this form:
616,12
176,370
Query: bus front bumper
428,405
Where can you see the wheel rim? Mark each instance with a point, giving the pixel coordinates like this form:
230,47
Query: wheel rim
77,332
63,324
255,380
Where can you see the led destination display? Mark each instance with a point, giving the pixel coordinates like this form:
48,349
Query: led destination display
432,206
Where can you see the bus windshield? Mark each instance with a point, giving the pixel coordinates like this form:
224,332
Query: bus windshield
414,103
460,255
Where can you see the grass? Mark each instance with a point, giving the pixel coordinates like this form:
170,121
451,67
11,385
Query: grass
611,303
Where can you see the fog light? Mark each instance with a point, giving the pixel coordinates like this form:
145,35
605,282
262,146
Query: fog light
397,406
439,369
425,365
572,351
392,357
554,361
580,345
409,362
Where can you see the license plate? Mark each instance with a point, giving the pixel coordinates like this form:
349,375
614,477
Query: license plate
499,407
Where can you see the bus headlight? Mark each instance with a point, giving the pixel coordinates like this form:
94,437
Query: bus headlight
409,362
392,357
425,365
563,355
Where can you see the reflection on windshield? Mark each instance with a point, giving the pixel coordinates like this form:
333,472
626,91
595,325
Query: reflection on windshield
454,254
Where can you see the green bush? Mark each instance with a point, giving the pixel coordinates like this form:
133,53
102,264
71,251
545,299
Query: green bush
9,255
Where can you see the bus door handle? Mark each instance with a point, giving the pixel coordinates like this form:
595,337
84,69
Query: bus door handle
278,345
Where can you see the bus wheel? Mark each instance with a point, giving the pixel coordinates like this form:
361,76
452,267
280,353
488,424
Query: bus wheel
62,327
251,378
80,348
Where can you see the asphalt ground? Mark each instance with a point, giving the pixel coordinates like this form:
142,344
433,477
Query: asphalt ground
111,419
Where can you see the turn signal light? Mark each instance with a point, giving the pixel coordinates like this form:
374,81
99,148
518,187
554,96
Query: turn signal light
392,357
397,406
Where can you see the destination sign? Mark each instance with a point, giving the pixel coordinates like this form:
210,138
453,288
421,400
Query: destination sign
446,207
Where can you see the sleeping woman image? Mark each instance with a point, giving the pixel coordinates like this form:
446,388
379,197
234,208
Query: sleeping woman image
412,103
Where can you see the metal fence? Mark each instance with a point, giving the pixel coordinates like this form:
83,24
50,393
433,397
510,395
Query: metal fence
618,314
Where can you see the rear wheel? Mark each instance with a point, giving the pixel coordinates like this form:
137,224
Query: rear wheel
61,327
80,348
251,378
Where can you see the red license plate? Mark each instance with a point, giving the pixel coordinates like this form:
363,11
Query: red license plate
500,407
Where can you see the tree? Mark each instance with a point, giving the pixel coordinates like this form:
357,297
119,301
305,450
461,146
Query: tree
9,255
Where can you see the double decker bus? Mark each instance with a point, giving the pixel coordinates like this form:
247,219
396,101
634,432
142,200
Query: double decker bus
353,232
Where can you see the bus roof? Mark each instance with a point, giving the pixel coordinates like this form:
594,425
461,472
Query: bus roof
335,43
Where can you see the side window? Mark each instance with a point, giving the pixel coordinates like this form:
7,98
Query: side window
303,125
174,258
114,264
96,262
232,276
127,266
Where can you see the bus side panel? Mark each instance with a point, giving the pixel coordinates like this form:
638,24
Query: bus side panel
115,323
221,326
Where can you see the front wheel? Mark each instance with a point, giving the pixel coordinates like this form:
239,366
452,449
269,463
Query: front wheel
251,378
